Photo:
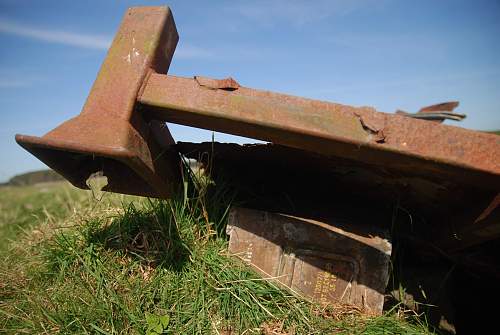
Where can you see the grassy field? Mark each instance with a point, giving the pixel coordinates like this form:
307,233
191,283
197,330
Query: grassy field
75,261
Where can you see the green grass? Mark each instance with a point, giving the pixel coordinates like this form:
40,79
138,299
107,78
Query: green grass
70,263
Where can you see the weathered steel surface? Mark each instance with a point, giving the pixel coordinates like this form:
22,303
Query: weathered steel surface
109,135
361,134
118,130
316,259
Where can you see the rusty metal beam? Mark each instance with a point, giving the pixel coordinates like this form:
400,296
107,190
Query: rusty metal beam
108,135
116,133
331,129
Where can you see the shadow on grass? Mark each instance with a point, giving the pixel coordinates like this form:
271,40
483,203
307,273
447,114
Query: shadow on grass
150,236
156,233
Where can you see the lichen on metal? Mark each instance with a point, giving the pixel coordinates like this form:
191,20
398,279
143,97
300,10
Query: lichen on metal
109,135
132,92
447,175
359,133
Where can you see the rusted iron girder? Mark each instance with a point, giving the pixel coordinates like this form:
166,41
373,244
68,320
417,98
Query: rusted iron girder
109,135
116,132
331,129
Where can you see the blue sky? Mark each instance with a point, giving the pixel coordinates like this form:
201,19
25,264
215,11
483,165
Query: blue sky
380,53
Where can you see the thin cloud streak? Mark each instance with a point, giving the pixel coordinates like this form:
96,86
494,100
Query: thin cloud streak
87,41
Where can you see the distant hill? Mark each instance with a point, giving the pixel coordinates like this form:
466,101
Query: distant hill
32,178
43,176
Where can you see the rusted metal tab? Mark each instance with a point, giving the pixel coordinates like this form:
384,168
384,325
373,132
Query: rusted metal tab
228,84
316,259
442,107
483,225
109,135
330,129
495,203
436,113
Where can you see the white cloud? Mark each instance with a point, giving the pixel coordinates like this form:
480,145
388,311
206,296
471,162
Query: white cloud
86,41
